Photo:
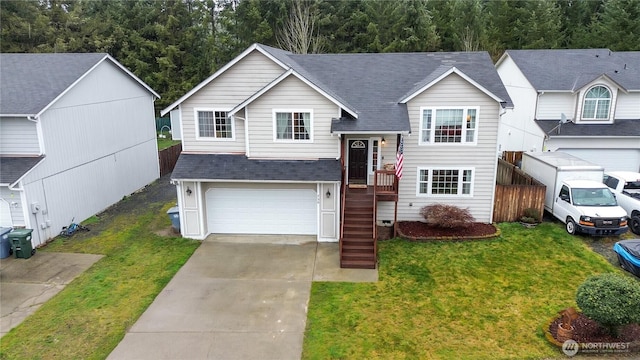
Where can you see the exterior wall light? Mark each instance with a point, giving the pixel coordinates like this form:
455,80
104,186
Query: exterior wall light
188,191
328,193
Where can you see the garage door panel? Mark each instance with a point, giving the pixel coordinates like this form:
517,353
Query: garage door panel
262,211
609,159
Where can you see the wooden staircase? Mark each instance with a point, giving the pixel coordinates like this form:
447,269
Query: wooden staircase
358,248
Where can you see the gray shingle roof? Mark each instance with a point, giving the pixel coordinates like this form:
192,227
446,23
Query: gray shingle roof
374,84
239,167
618,128
30,82
13,168
569,70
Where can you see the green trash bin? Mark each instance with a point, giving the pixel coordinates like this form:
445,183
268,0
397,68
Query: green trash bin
21,243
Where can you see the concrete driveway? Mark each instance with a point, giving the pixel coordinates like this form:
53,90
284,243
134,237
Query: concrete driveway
237,298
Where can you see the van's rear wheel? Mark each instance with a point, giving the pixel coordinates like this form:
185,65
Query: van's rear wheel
571,226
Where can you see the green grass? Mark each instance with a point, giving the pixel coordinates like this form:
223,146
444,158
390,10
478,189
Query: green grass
166,142
90,316
454,300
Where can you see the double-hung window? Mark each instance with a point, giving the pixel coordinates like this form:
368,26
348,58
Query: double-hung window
445,182
597,102
293,125
448,125
213,124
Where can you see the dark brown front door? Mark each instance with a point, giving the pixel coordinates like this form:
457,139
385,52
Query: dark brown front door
358,161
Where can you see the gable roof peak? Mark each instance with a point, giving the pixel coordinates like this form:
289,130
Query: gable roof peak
31,83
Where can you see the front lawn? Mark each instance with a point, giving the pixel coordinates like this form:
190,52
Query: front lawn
90,316
454,300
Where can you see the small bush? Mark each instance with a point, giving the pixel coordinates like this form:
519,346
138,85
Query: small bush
447,216
531,213
610,299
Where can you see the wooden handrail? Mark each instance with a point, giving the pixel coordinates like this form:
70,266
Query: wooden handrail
343,199
385,182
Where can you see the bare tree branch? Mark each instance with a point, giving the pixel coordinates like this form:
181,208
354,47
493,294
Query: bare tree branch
299,34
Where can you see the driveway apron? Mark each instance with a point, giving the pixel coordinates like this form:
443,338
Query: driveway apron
229,301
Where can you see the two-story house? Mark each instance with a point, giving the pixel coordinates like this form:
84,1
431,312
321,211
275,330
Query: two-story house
585,102
279,143
77,134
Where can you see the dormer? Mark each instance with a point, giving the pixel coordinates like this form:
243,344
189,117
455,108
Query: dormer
596,101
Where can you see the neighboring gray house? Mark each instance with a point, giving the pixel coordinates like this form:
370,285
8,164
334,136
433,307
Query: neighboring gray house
279,143
77,133
596,90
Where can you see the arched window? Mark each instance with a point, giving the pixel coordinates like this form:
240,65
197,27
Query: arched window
597,102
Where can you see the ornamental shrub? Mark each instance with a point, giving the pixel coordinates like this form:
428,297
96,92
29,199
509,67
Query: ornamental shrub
447,216
610,299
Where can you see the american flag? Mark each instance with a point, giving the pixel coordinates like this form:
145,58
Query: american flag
400,158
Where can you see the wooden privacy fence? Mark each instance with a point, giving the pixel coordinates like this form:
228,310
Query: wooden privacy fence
512,157
168,158
515,192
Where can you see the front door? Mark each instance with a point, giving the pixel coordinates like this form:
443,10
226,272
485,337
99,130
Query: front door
358,153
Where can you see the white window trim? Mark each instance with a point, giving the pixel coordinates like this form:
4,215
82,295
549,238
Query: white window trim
370,155
431,142
213,138
429,185
609,119
291,141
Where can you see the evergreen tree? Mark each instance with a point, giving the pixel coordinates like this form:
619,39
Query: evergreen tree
619,29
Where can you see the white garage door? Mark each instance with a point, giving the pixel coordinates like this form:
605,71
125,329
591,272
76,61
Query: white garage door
262,211
610,159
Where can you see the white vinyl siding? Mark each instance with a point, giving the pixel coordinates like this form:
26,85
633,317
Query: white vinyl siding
232,87
451,92
291,94
214,124
13,200
628,106
18,136
95,153
518,131
552,104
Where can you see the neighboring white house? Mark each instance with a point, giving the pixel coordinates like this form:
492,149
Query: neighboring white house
585,102
77,133
266,138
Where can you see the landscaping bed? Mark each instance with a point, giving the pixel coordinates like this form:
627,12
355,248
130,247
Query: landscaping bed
589,331
419,231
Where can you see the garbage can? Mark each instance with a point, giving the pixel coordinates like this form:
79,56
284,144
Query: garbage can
21,243
174,215
5,244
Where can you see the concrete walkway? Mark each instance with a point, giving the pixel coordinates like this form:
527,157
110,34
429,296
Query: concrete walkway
26,284
237,298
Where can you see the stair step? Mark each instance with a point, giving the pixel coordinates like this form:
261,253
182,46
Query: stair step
351,233
358,264
357,241
359,247
358,213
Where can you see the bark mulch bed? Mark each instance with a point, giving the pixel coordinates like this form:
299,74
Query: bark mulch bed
420,231
589,331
